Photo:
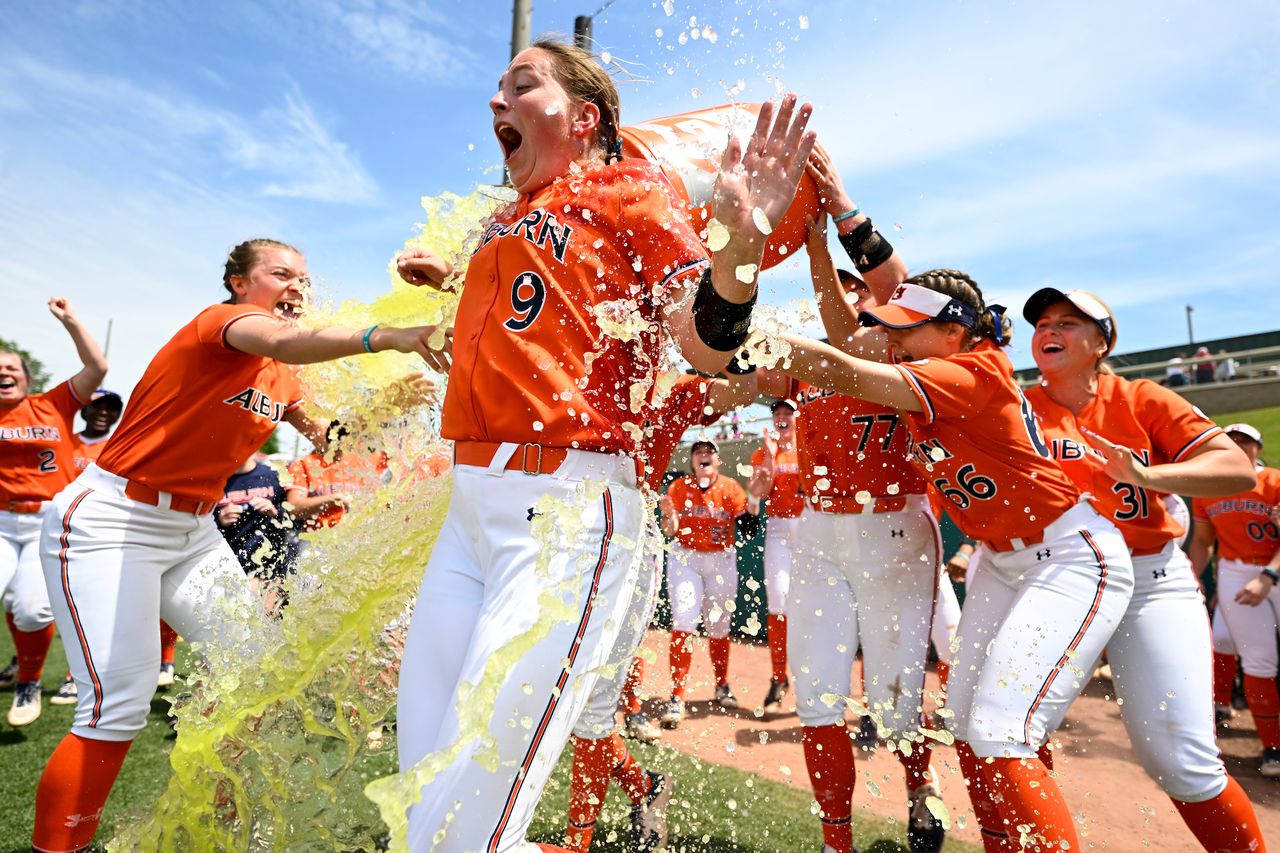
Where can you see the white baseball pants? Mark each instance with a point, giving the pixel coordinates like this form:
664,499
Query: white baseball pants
520,605
946,618
702,585
779,544
21,579
1032,618
115,566
1223,644
1252,628
866,579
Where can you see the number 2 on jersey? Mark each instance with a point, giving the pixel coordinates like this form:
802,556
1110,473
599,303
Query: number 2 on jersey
48,461
528,295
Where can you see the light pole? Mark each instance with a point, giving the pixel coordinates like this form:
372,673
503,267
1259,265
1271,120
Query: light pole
521,24
1191,338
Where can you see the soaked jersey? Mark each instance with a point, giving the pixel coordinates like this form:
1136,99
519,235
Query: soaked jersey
785,499
685,406
704,517
846,445
978,444
35,445
556,340
86,450
349,474
1158,425
1243,523
200,409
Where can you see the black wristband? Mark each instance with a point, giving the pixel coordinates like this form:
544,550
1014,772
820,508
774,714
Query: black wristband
740,364
1271,573
865,247
721,324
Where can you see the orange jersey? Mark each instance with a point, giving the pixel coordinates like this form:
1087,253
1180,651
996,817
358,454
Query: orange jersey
785,498
1157,424
685,406
846,445
35,445
978,444
594,251
704,517
1243,523
350,474
200,409
85,450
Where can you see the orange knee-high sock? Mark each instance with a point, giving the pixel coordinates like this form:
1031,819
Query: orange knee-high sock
681,659
73,790
777,629
168,642
1264,704
13,629
626,771
1225,824
828,756
1224,678
915,766
1031,798
32,648
944,673
631,686
592,761
1046,756
994,837
720,659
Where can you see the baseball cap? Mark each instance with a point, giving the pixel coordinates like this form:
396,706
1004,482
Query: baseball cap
1084,301
701,443
108,396
913,305
1245,430
778,404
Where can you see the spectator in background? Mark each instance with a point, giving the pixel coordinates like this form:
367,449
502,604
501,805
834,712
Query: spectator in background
1227,367
100,415
253,519
1205,370
1176,372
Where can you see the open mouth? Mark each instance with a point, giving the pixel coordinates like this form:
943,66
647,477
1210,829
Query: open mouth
1052,347
7,383
510,140
288,310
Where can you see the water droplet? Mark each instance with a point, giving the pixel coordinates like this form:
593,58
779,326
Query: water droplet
804,22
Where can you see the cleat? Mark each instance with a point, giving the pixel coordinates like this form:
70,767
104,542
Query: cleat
868,736
773,699
1223,714
639,728
725,698
9,675
165,677
26,704
673,714
924,831
67,693
649,816
1270,766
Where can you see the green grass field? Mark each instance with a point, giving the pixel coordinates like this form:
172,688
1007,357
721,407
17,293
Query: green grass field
716,809
1268,423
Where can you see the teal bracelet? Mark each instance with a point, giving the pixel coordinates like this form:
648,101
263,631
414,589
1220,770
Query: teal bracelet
367,333
848,214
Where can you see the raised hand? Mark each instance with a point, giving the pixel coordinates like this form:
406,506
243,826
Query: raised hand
762,177
831,192
60,308
420,266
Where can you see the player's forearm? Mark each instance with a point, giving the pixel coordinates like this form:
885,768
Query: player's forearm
825,366
834,307
91,356
886,274
1217,472
1198,552
312,505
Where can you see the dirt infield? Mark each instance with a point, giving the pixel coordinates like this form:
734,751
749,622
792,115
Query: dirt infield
1117,806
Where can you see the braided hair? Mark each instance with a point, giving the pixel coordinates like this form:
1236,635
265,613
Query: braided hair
245,257
961,286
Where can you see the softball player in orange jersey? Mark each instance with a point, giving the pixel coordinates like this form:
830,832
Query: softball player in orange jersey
36,461
1057,578
1241,528
545,409
1126,443
133,538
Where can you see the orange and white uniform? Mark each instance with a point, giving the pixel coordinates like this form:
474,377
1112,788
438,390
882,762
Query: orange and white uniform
351,474
864,565
133,537
1056,577
35,464
556,352
1161,654
86,451
1247,538
783,504
702,569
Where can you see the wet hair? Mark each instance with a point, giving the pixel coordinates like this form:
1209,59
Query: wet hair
246,256
585,80
961,287
26,368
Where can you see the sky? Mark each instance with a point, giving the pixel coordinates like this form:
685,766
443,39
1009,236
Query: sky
1132,149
